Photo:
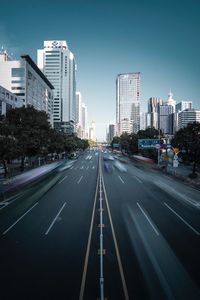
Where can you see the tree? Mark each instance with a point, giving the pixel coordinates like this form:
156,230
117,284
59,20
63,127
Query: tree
9,147
189,138
30,129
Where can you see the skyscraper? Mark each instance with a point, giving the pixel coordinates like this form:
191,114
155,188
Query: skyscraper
92,131
110,133
84,123
183,105
128,103
167,117
57,62
153,112
188,116
78,114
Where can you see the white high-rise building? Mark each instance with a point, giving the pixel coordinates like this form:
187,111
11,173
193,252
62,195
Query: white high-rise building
92,131
78,119
153,112
24,79
188,116
183,105
128,103
57,62
84,122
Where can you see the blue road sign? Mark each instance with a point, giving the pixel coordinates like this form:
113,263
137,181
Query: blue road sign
147,143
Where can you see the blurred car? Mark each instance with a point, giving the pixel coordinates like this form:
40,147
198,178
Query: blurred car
119,166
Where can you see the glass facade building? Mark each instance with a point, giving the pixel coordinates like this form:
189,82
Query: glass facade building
128,103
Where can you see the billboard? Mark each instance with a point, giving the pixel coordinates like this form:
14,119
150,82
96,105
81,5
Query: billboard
147,143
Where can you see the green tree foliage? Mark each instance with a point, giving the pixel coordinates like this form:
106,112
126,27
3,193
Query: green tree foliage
129,142
26,132
189,138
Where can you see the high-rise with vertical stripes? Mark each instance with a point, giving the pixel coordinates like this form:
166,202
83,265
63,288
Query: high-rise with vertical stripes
57,62
128,103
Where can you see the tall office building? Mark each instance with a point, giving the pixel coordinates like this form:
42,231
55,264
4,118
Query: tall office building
166,119
183,105
24,79
78,114
128,103
188,116
110,133
84,121
167,116
92,131
153,112
57,62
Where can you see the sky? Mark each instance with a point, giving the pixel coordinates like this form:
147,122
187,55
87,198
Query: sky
159,38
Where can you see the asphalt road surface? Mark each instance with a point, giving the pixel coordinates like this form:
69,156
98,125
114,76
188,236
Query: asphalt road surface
101,229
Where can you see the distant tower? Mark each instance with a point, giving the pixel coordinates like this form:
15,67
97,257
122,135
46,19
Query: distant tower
171,101
92,131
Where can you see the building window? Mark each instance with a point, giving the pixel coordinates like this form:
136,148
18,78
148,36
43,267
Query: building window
20,94
18,88
18,81
18,72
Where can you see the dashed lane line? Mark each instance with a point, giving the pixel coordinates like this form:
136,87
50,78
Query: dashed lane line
186,223
148,219
54,220
20,218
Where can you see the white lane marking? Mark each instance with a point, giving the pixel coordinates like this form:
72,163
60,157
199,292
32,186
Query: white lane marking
62,179
87,168
88,245
186,223
20,218
80,179
148,219
54,220
93,167
126,296
138,179
71,168
121,179
81,168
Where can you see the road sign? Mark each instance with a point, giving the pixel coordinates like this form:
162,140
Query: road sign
147,143
157,146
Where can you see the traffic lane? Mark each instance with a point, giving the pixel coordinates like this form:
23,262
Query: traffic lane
187,199
120,195
178,228
26,200
49,260
158,262
123,197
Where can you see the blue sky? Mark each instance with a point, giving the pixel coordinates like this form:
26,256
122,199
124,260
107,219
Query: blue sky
159,38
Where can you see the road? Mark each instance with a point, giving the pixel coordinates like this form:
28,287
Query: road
102,230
